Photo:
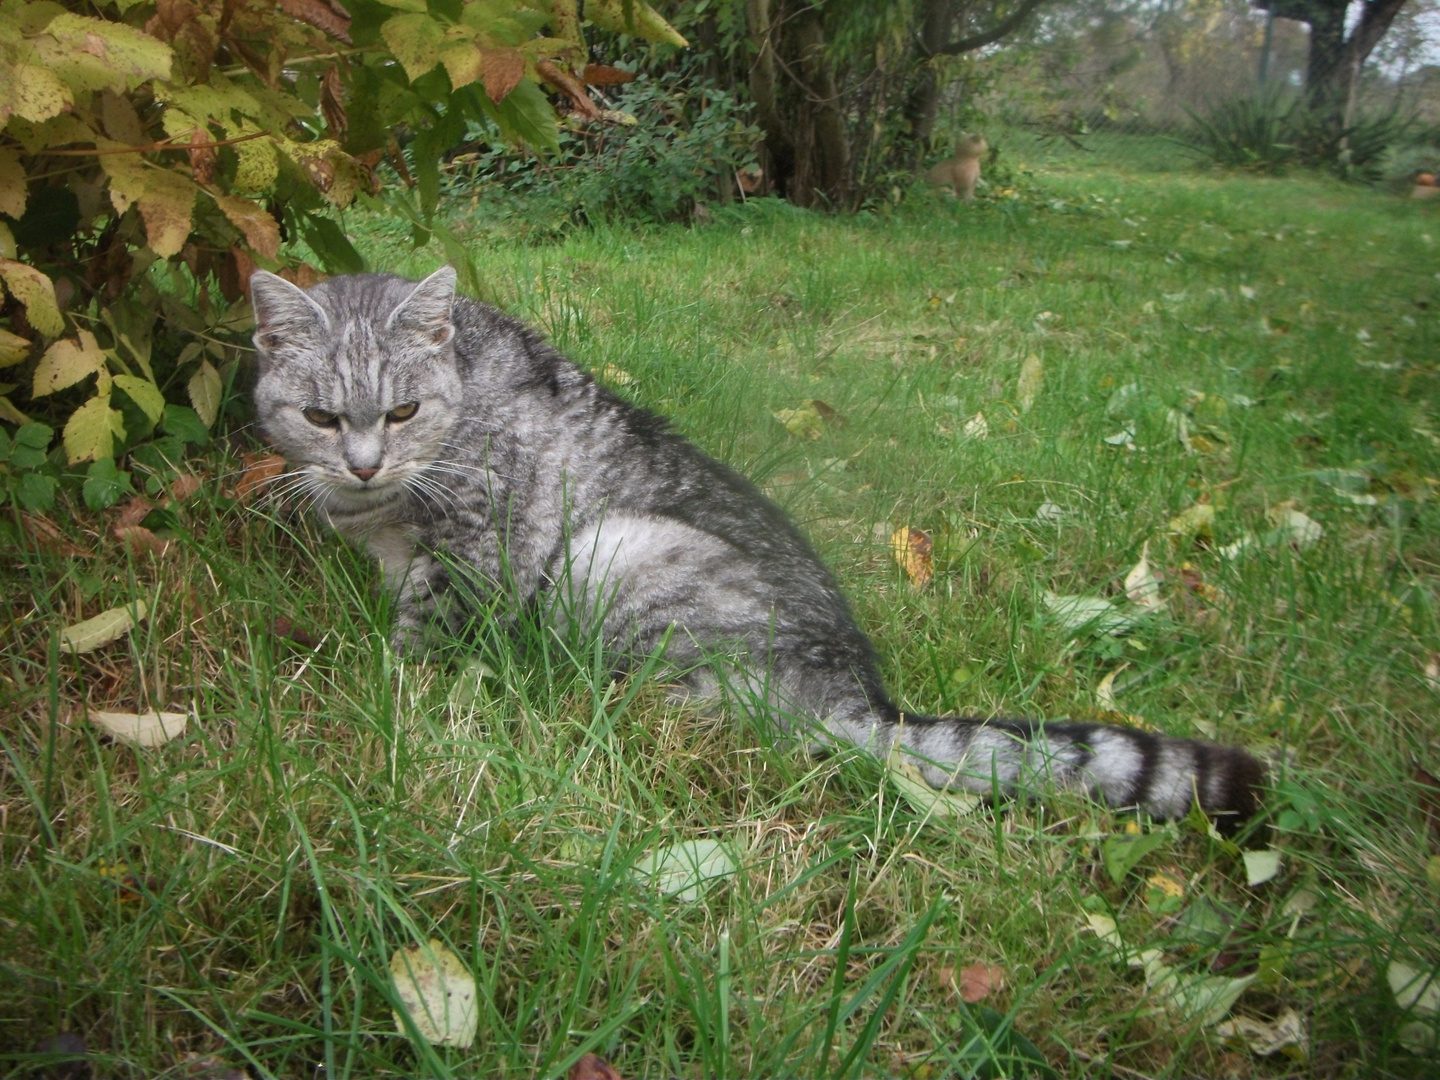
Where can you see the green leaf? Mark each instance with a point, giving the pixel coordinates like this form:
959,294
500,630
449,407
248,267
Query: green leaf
1261,866
329,242
185,423
205,388
104,628
415,40
104,484
685,870
526,114
1123,853
36,491
26,457
34,435
144,393
1090,613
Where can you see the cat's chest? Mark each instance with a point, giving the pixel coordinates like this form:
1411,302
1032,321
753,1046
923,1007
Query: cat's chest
393,547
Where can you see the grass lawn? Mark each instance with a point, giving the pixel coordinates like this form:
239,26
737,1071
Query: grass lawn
1255,348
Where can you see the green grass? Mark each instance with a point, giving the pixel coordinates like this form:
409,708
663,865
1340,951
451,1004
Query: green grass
239,892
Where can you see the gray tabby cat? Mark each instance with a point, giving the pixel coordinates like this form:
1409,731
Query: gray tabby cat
475,462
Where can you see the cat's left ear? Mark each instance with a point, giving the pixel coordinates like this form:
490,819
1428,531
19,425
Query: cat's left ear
426,311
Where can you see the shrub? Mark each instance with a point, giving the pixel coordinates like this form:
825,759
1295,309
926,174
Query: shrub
668,144
1272,130
155,153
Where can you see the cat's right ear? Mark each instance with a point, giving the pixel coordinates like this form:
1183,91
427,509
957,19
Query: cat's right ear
282,312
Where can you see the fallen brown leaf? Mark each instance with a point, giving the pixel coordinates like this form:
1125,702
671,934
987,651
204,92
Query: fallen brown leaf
912,550
284,627
183,486
133,512
979,981
592,1067
260,469
139,540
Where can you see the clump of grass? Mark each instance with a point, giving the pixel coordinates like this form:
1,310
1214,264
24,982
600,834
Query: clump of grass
239,892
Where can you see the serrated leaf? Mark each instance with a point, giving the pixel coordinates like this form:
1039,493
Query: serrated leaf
110,625
145,394
205,388
257,166
256,224
92,429
66,363
930,802
1261,866
141,729
415,40
37,293
687,869
12,184
437,992
644,22
501,71
32,92
1032,374
99,54
13,349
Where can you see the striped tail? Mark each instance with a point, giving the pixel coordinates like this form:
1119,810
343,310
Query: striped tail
1122,767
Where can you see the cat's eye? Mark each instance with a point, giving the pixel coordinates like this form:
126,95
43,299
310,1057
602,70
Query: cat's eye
402,412
321,417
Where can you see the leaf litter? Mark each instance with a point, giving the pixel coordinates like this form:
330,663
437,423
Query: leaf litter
437,992
109,626
688,869
147,729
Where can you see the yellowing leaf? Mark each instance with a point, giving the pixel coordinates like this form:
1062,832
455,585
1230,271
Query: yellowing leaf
415,40
685,870
1032,373
92,429
616,375
1141,584
1105,692
32,92
12,184
165,207
438,994
1167,884
905,776
205,388
258,225
145,394
977,427
37,293
66,362
804,422
99,54
1265,1037
647,23
913,551
141,729
13,349
258,164
1261,866
1194,521
108,626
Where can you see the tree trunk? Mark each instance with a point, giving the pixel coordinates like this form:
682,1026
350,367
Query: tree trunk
822,145
922,103
779,150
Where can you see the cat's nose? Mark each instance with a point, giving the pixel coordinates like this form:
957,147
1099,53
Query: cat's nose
364,474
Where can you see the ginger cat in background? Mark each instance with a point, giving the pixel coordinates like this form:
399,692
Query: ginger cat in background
960,170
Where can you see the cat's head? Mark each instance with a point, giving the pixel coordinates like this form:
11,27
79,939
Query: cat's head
359,386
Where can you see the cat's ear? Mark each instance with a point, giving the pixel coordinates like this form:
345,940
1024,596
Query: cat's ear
426,311
282,311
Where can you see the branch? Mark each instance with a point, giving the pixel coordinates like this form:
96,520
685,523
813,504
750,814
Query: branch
163,144
1005,26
